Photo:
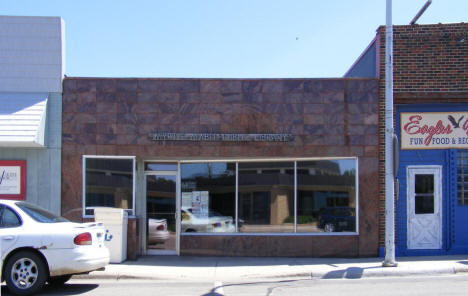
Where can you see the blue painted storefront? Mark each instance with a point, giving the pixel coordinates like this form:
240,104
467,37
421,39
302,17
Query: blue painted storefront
454,216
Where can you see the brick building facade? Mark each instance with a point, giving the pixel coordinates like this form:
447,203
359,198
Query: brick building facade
430,77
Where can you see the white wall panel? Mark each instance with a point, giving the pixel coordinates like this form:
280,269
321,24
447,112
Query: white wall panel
31,54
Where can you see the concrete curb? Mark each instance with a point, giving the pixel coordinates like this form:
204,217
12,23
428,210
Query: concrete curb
242,273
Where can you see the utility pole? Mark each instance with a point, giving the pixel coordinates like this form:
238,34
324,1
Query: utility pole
389,153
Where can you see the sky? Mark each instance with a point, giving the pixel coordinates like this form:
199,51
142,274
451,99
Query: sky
223,38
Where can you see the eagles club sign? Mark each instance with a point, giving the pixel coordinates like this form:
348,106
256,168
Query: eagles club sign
434,130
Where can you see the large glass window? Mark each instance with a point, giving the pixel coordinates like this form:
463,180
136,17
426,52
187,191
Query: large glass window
312,196
109,182
326,200
208,197
266,197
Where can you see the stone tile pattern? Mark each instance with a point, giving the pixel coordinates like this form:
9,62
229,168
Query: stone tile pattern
328,117
430,66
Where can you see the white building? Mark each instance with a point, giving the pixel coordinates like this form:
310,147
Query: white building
32,62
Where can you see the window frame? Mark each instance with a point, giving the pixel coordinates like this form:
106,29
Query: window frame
134,181
463,155
295,233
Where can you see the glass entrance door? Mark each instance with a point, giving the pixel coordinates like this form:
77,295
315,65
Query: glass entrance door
161,212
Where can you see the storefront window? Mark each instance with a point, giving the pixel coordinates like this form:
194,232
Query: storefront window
109,182
326,199
266,196
208,197
272,197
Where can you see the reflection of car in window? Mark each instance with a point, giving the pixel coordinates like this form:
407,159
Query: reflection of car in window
337,219
157,231
214,222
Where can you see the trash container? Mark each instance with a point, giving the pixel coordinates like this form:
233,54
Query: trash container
115,238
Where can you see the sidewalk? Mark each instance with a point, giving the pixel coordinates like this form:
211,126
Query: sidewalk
242,268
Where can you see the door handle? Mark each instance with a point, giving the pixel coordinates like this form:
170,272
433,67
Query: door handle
8,237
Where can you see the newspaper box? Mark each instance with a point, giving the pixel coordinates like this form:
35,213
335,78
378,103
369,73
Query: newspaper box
115,238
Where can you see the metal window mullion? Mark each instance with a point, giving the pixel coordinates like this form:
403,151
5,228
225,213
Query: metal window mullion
84,187
178,212
134,186
236,208
295,196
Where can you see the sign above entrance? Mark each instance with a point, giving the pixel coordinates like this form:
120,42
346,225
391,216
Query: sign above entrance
434,130
208,137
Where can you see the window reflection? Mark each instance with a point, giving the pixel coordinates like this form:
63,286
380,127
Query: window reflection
326,196
109,183
266,196
208,197
163,166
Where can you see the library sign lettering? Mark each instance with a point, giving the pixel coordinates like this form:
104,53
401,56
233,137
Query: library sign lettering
434,130
209,137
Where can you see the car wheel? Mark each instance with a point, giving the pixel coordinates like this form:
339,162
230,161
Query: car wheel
329,227
25,273
59,280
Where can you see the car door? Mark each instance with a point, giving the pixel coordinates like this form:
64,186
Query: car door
9,224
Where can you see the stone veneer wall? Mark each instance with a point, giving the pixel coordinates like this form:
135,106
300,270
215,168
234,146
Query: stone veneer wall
328,117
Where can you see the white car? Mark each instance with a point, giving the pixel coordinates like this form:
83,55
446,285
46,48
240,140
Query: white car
214,222
38,246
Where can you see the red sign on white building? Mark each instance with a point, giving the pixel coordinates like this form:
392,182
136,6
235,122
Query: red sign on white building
13,179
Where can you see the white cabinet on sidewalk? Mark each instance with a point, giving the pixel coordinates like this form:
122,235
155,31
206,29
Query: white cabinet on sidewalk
115,223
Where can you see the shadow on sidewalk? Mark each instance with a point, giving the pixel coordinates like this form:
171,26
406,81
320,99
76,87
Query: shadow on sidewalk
348,273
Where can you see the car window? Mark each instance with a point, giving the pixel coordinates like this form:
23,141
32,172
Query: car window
9,218
39,214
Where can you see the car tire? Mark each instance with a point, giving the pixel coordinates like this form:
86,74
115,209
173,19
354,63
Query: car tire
329,227
25,273
59,280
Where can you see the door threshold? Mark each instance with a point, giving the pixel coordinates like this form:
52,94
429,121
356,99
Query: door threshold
161,252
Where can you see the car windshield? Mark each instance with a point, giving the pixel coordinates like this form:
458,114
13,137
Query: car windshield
39,214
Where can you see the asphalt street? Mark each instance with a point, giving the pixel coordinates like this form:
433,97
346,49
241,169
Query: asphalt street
408,285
